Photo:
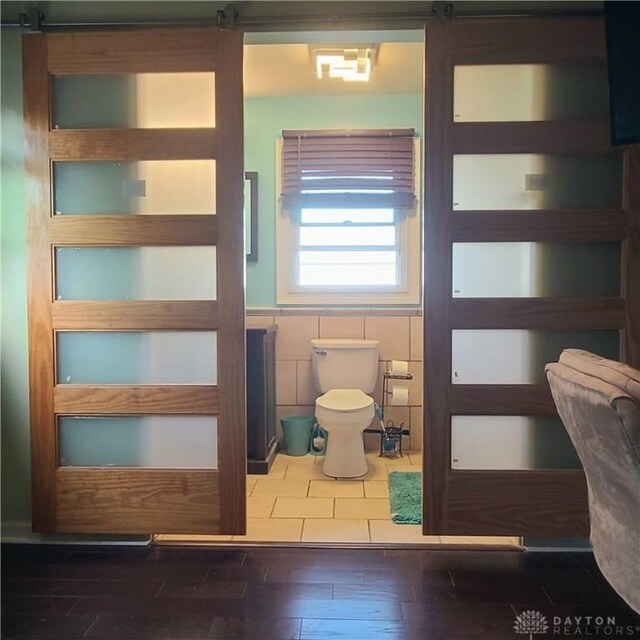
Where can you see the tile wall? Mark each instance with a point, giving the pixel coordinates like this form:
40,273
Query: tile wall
400,337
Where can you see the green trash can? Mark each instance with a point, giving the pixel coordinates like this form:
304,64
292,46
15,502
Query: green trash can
297,434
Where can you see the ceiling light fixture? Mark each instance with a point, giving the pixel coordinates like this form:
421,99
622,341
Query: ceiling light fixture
352,64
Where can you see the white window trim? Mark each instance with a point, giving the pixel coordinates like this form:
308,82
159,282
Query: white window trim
410,241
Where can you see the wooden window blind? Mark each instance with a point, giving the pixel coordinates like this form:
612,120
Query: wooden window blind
366,168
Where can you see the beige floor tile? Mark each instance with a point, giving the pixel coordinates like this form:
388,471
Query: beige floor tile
190,537
482,540
251,483
275,473
320,530
368,508
416,458
260,506
289,488
282,459
272,530
377,469
336,489
304,472
387,531
303,508
376,488
396,463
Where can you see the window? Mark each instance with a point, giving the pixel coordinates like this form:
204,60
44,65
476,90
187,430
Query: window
348,227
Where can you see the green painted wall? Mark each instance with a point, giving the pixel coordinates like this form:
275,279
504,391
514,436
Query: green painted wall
265,118
14,377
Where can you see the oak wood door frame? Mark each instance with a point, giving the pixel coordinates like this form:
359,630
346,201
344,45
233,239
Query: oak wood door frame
136,500
542,502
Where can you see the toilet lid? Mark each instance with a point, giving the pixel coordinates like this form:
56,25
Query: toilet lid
344,400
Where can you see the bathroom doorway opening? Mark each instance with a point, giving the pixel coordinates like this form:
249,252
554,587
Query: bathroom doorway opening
290,500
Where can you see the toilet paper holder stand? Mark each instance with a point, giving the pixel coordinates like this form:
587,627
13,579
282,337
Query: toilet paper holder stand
390,434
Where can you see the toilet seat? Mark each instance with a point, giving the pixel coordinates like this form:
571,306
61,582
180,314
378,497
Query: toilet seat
344,400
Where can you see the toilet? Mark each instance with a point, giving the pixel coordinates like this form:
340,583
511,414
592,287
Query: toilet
345,371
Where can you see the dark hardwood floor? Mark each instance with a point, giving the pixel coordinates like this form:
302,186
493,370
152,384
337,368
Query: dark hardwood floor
306,594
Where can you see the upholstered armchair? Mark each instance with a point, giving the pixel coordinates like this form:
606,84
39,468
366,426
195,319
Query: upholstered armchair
599,403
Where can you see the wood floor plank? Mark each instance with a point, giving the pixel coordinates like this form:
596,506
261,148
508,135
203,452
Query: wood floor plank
150,627
247,627
289,594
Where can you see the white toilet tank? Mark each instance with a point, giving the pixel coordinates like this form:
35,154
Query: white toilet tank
344,364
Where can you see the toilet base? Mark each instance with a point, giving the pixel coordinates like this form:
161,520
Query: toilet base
345,455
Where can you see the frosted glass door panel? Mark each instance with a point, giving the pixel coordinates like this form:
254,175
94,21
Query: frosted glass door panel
528,92
514,181
144,100
518,356
511,442
143,357
142,187
167,442
136,273
535,269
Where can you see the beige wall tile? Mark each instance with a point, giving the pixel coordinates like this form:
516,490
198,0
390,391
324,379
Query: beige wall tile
306,392
393,334
286,382
377,392
329,530
388,531
371,442
416,429
368,508
290,410
415,385
258,321
303,508
417,342
341,327
293,341
336,489
398,415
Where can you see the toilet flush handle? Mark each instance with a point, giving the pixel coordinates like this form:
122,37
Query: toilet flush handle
321,352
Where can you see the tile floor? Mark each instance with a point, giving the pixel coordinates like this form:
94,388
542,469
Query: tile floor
296,502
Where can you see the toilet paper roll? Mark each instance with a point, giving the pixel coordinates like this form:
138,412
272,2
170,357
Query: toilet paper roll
399,396
399,368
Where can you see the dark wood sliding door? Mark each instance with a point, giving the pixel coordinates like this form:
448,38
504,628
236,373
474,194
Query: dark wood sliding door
532,245
136,280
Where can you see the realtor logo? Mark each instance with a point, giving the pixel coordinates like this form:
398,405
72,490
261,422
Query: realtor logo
531,623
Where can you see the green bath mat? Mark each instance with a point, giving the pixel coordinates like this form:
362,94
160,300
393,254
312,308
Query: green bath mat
405,496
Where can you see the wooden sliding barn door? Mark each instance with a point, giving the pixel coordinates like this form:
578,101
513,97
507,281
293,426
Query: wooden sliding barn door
531,246
134,161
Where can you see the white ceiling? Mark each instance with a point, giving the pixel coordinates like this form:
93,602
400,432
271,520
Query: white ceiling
287,70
